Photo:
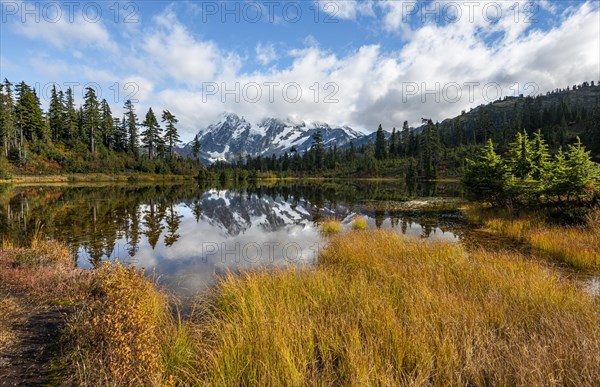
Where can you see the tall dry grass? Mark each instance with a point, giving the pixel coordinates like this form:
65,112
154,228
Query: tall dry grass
115,336
380,309
578,246
45,271
359,223
331,226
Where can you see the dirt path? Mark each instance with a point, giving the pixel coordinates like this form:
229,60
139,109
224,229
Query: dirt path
27,360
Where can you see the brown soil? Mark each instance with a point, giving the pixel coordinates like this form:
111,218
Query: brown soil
27,360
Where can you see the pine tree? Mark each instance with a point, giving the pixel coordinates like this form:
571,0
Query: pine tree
120,143
70,116
132,131
595,129
520,156
196,146
151,136
430,149
380,148
171,135
106,124
581,172
394,144
8,136
318,150
56,116
28,114
91,118
539,157
485,177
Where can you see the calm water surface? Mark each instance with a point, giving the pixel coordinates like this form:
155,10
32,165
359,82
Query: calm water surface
186,234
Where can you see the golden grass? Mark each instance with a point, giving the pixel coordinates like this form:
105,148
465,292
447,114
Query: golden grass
576,246
45,271
359,223
116,334
380,309
331,226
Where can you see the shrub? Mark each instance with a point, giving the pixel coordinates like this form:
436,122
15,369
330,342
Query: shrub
117,334
331,226
359,223
527,175
4,169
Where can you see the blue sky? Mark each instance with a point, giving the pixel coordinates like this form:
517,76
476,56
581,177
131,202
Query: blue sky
357,63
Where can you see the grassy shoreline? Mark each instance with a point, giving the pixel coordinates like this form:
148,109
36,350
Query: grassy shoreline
93,177
577,246
378,308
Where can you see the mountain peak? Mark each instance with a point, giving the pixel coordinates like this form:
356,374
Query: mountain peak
233,136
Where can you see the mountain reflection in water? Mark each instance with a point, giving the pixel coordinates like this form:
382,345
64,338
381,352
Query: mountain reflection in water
186,234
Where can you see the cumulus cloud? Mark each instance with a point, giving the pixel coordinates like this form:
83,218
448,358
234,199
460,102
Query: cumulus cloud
422,79
197,79
346,9
172,47
62,28
265,53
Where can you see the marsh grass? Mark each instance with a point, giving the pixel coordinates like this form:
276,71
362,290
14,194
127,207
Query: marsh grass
378,309
359,223
117,332
331,226
578,246
45,271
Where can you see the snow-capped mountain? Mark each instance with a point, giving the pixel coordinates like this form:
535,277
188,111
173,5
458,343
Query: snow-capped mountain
235,213
233,136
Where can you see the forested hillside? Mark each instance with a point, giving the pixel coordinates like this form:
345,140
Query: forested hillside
436,150
88,138
92,138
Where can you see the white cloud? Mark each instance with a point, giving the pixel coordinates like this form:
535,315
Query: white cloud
346,9
374,85
265,54
62,33
185,58
169,64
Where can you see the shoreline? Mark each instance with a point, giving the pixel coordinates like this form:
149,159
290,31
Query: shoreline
93,177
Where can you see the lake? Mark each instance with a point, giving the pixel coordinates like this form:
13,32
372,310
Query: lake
186,234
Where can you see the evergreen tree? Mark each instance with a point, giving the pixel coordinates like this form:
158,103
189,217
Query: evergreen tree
28,114
520,156
56,116
581,173
132,130
151,136
405,139
107,127
91,118
171,135
196,146
595,129
394,144
380,148
120,142
8,138
318,151
485,177
70,116
539,157
430,149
